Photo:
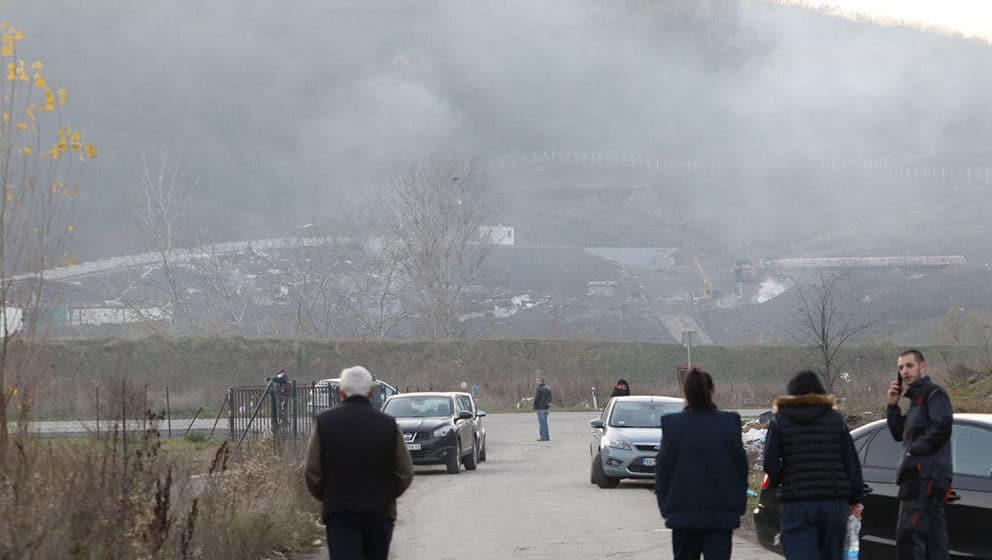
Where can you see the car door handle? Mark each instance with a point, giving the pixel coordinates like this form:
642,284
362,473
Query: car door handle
866,489
952,497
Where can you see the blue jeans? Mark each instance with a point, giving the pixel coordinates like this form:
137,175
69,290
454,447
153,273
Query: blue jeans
358,535
542,423
814,529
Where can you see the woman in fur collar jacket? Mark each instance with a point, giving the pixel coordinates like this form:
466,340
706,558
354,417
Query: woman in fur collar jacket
810,458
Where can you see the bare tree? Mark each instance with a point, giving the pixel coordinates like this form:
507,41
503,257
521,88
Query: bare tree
372,289
432,220
822,324
160,209
40,157
229,292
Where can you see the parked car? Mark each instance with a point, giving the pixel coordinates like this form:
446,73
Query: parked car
469,403
325,394
969,507
626,438
439,428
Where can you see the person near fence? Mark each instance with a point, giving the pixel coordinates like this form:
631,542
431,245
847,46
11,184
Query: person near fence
282,391
810,458
357,465
542,405
701,474
621,389
925,470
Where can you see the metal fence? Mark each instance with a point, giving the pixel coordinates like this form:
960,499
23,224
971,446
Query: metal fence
283,412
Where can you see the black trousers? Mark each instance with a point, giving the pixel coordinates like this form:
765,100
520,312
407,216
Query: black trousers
921,533
353,535
713,544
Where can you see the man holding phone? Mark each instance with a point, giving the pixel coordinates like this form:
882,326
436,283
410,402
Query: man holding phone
924,475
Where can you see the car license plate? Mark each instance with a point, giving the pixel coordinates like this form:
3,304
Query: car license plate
416,447
649,461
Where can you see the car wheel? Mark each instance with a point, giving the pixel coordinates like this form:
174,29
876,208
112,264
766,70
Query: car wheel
482,452
599,475
454,462
472,459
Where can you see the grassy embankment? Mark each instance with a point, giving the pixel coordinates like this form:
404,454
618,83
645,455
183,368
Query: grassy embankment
199,371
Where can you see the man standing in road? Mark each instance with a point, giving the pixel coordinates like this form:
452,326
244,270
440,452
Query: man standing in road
357,465
542,405
924,475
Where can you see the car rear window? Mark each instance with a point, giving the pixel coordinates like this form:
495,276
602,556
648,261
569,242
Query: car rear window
883,451
971,448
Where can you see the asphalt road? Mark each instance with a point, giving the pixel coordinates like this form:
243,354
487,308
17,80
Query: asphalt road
532,500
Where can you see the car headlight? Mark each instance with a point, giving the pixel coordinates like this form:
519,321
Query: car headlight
443,430
618,443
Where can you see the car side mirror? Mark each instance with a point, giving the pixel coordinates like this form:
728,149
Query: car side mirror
596,423
481,413
464,415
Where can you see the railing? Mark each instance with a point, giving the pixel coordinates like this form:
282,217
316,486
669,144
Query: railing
284,412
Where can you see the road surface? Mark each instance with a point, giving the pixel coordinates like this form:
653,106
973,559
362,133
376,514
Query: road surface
532,500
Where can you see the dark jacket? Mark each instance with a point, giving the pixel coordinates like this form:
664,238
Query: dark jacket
809,453
542,397
357,460
701,471
618,392
925,433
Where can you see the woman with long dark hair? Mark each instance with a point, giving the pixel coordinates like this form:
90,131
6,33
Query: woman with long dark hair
811,460
701,474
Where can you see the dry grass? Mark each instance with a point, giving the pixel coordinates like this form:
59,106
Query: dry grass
94,499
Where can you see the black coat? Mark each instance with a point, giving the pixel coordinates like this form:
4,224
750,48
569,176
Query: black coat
701,473
542,397
809,453
925,432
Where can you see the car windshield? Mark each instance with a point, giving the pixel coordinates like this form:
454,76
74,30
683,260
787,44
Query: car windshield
418,407
641,414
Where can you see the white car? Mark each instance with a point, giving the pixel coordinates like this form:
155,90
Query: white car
324,394
626,438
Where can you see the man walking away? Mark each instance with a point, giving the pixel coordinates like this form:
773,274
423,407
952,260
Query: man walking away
542,404
357,465
924,475
701,474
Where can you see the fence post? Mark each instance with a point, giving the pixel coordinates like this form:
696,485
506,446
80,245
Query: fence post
168,412
295,426
219,412
195,416
124,413
144,411
231,434
98,410
275,415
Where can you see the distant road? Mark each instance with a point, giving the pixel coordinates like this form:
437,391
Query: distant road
532,500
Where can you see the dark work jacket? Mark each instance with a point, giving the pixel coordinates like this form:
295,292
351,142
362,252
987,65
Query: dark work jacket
701,470
358,459
809,453
618,392
925,433
542,397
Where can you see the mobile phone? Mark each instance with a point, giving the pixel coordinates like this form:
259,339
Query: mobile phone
899,382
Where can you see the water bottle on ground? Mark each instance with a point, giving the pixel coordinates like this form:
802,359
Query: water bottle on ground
852,546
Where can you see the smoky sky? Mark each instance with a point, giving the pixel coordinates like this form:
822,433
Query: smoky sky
283,112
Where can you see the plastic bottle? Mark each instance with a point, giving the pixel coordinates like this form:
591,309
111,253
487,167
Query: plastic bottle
852,546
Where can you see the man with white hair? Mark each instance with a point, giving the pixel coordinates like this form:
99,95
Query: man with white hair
357,465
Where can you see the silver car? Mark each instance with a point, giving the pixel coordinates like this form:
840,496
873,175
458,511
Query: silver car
626,438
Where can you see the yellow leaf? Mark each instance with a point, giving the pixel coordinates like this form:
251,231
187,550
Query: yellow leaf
6,50
39,82
21,126
37,65
5,116
61,97
26,150
10,197
30,112
70,227
18,36
11,75
90,151
55,152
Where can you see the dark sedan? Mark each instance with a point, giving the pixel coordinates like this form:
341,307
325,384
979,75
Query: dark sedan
439,428
969,508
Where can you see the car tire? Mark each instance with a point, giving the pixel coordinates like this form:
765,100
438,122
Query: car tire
472,459
455,461
482,452
599,475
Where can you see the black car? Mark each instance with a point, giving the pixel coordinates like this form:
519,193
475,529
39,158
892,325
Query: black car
969,507
439,428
